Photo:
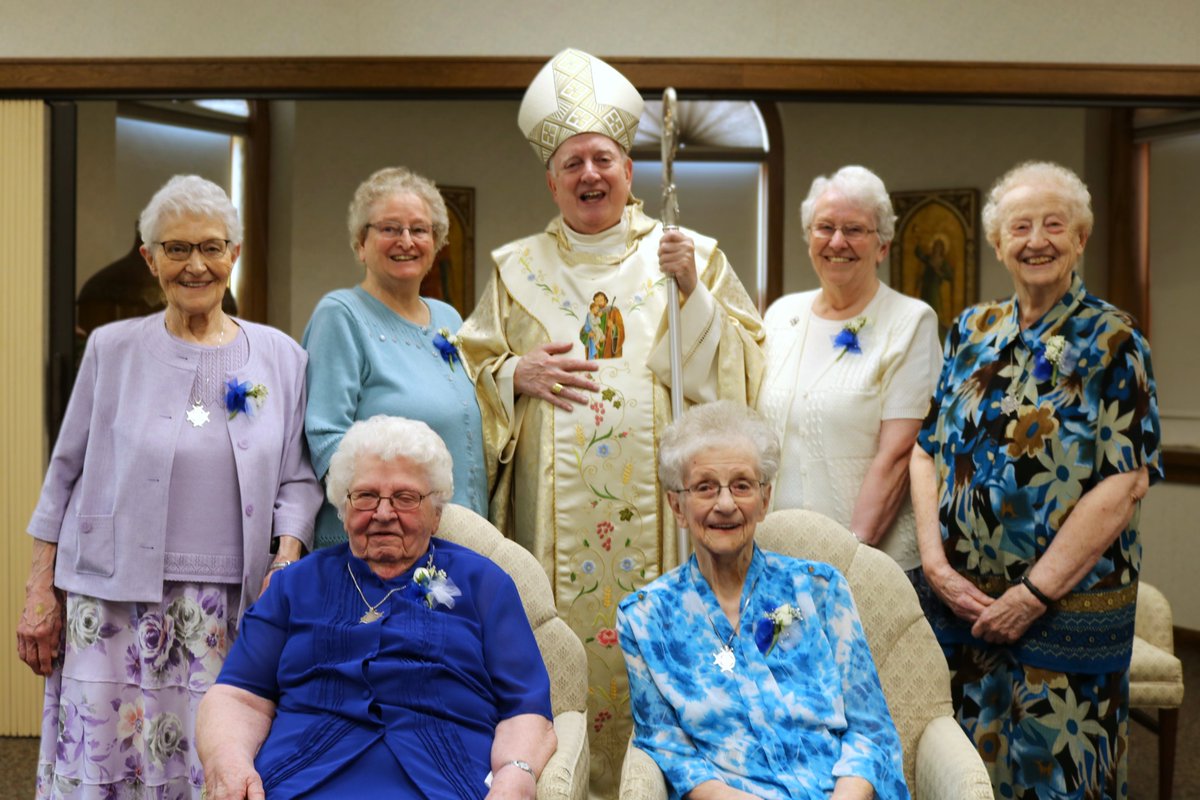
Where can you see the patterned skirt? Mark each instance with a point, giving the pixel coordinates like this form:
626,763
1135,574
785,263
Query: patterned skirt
1043,735
120,712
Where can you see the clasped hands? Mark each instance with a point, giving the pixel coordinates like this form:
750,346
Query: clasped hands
548,373
999,620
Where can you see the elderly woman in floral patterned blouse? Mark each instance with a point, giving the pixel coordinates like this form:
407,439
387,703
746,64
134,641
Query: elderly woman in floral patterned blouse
749,673
1042,438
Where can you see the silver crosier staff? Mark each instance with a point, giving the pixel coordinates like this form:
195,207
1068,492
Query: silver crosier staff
670,220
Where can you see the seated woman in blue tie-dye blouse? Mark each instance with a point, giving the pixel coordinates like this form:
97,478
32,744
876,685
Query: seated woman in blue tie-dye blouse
749,673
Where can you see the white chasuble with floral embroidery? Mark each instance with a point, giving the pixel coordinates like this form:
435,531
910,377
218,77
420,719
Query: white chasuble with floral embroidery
580,489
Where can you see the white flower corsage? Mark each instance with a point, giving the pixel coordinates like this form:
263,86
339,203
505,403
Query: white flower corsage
773,625
434,586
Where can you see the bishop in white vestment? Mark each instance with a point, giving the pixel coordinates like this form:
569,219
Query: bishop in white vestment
568,351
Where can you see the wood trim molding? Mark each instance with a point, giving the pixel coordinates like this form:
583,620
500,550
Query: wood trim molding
775,206
1182,465
394,76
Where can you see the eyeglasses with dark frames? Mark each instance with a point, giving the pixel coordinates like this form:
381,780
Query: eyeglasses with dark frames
177,250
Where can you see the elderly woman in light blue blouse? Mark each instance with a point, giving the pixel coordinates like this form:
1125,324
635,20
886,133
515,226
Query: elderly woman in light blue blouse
382,348
749,673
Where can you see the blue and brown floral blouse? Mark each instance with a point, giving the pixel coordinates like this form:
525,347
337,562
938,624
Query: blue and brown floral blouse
1023,424
781,726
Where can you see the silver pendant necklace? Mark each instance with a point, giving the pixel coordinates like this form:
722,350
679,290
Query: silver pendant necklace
201,387
373,613
723,656
1017,385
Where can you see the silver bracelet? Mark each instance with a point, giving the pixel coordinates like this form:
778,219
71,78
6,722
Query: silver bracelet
277,565
514,763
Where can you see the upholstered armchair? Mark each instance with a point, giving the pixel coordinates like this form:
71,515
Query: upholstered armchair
566,774
940,763
1156,679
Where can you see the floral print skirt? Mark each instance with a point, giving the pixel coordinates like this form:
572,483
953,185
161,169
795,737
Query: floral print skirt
120,713
1043,735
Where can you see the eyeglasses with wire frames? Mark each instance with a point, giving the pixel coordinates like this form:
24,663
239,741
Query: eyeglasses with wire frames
177,250
394,230
739,488
403,500
851,233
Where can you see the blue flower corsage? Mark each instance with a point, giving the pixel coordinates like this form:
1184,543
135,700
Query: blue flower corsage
446,344
847,339
244,398
771,627
433,586
1057,357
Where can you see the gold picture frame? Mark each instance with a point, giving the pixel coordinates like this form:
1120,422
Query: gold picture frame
452,278
935,253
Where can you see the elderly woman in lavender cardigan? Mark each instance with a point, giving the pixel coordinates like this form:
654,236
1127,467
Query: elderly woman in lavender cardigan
180,464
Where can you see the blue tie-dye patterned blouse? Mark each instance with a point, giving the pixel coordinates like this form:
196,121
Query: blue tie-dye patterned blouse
785,725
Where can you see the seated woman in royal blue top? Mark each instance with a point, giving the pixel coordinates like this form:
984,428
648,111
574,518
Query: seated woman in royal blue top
393,665
749,673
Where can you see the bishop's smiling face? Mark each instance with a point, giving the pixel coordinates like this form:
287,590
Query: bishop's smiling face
590,178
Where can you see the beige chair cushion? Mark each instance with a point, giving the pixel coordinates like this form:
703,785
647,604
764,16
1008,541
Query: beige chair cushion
1155,677
911,666
566,774
561,649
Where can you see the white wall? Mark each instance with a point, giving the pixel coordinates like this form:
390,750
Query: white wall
1099,31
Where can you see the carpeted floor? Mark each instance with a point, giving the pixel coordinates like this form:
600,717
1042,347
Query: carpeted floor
19,756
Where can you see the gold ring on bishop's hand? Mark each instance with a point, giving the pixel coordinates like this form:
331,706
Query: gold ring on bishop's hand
556,388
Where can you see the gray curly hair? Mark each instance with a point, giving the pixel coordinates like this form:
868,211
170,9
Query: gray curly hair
189,196
1043,173
389,182
862,186
713,425
389,438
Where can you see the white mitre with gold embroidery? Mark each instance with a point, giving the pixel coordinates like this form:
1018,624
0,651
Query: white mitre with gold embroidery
578,93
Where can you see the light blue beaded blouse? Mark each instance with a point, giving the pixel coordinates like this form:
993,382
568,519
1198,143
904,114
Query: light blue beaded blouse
363,360
783,725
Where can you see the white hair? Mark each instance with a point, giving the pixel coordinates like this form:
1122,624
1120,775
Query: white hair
389,438
1049,175
189,196
862,187
714,425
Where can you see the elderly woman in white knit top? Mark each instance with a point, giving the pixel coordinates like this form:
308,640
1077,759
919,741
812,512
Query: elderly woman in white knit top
850,368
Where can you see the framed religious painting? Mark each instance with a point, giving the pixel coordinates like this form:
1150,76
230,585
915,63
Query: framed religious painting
452,278
935,255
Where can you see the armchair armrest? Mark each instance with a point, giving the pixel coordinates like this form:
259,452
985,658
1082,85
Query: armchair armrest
641,779
566,774
1154,622
948,766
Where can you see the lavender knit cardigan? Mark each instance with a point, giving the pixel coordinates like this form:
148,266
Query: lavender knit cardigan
104,500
